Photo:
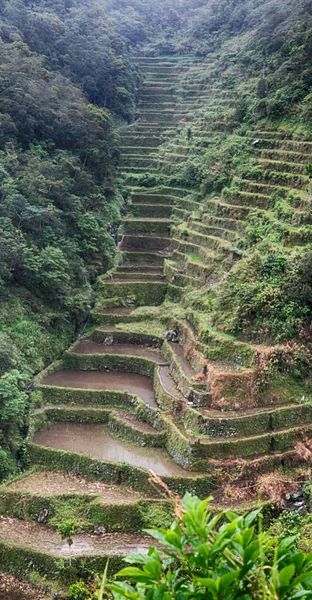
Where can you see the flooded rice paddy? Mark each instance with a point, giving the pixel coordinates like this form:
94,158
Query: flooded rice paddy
140,385
93,440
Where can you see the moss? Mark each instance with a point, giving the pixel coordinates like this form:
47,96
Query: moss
175,293
21,561
156,514
226,348
124,430
100,318
149,293
151,210
87,511
167,402
146,327
109,362
59,395
138,257
240,425
138,335
145,227
184,384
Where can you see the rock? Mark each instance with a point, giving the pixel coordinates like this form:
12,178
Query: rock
299,504
42,516
62,595
171,335
297,494
99,530
108,341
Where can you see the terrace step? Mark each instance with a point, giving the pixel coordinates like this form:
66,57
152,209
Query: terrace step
281,178
117,420
285,155
138,385
226,234
157,258
55,483
136,150
147,267
87,346
137,279
128,275
285,144
247,199
150,210
278,165
25,537
141,242
207,241
144,226
137,291
273,134
237,423
151,198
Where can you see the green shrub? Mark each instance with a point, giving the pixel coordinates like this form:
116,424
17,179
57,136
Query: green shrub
216,557
79,591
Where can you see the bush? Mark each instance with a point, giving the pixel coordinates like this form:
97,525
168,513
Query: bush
79,591
223,556
6,464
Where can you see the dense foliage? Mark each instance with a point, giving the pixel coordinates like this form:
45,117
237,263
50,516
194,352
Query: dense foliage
223,556
58,197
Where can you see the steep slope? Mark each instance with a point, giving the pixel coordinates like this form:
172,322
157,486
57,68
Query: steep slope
194,404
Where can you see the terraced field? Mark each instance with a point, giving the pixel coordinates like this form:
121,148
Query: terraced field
149,389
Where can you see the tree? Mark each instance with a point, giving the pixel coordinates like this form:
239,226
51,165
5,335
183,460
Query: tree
13,399
213,557
67,530
6,353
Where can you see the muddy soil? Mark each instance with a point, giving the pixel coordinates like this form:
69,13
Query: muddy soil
93,440
53,483
186,366
140,385
88,347
169,385
14,589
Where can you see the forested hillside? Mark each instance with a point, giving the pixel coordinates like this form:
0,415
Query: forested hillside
58,194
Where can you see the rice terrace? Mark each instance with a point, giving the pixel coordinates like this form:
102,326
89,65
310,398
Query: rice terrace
155,299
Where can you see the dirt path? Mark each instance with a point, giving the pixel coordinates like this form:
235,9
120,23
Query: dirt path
42,539
53,483
89,347
14,589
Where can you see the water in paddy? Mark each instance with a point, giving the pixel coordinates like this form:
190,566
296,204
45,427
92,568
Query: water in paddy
140,385
93,440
